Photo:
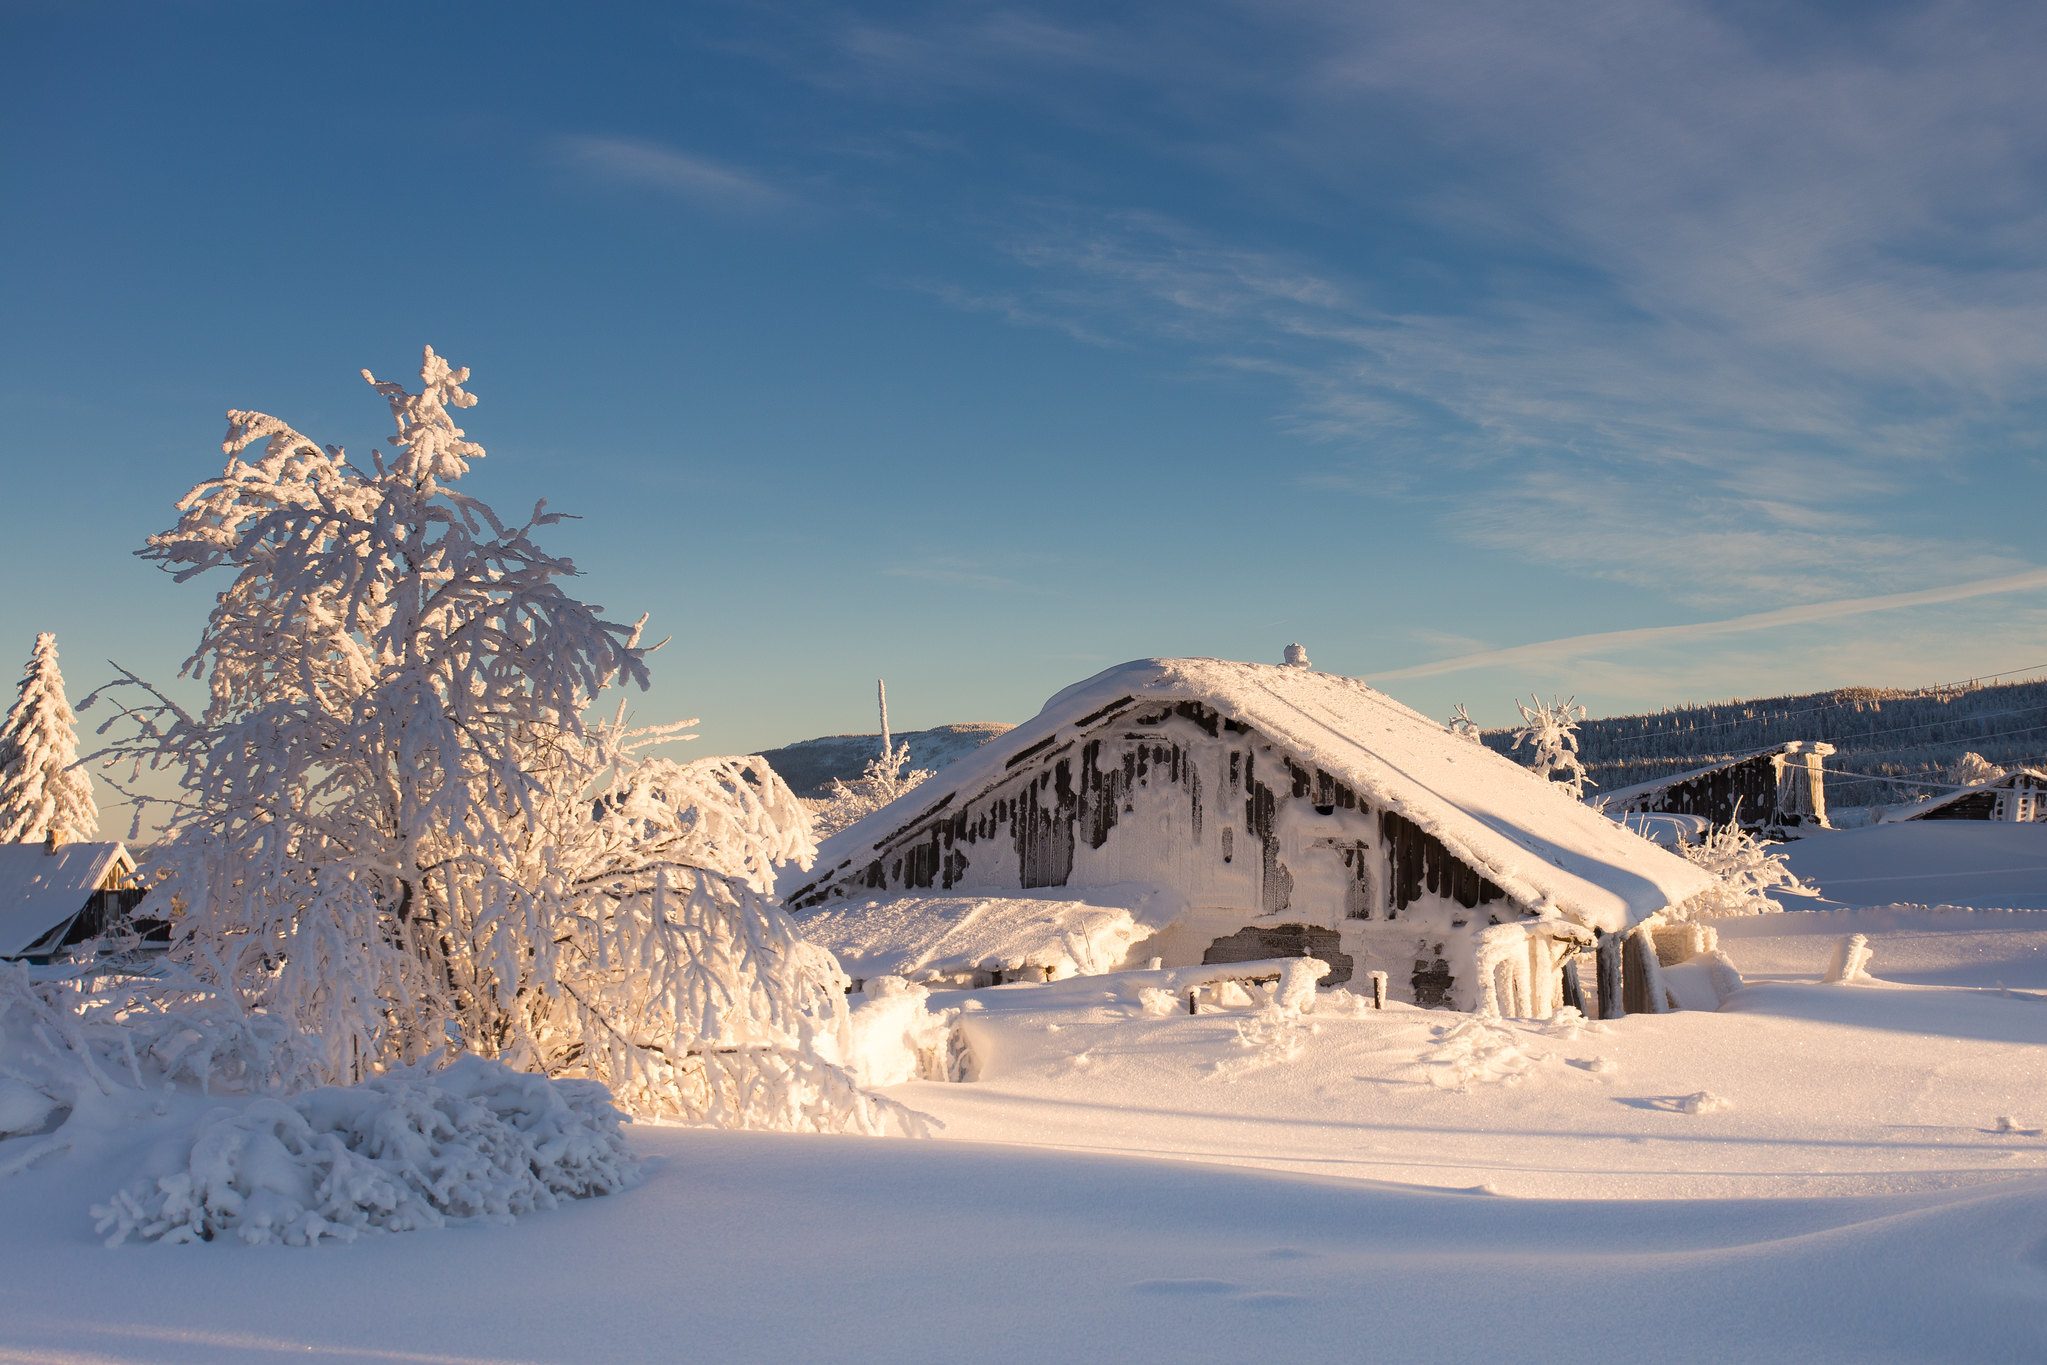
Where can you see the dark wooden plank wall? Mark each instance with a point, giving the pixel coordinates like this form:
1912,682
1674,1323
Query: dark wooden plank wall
1752,783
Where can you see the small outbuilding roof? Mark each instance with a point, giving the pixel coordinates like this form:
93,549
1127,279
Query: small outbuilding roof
1617,799
2037,777
1525,834
43,890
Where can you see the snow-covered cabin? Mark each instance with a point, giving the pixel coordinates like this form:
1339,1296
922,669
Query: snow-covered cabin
2020,794
53,895
1779,789
1236,812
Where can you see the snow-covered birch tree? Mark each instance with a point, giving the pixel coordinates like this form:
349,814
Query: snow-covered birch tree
395,830
1551,732
41,790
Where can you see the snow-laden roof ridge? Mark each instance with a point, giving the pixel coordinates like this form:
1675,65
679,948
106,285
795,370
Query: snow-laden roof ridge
1529,837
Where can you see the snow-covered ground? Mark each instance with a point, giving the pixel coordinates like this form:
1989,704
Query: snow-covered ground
1817,1172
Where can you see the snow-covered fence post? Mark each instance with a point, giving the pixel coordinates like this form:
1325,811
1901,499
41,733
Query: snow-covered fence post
1574,990
1850,960
1611,1003
1378,990
1642,982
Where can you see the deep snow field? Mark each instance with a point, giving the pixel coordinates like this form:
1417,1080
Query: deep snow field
1817,1172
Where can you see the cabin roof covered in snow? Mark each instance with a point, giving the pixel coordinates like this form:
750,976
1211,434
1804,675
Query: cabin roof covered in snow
1933,803
1527,835
40,889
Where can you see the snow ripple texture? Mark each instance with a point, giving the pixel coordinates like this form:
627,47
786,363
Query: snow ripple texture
415,1148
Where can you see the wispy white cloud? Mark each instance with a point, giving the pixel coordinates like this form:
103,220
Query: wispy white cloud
958,573
1720,296
701,180
1605,642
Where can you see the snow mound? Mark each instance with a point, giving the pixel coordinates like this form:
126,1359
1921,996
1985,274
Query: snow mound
414,1148
1703,1102
1046,935
897,1037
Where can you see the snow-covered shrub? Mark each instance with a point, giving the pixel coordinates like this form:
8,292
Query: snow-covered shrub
1463,726
1745,873
1972,769
896,1037
413,1148
1551,733
394,829
41,792
886,777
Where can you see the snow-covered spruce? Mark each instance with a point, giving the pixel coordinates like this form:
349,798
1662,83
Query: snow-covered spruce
885,778
41,792
394,828
414,1148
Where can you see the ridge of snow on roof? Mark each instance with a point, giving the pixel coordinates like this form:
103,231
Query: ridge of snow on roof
1528,836
40,890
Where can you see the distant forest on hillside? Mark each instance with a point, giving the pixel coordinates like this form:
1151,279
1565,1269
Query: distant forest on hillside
1883,732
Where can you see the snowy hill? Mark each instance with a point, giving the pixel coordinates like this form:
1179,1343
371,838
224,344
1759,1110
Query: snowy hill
809,765
1915,733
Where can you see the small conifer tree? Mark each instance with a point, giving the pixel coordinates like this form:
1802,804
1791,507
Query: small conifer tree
41,791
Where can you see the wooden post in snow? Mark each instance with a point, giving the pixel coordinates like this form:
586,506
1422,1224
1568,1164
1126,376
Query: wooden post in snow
1610,976
1378,990
1574,992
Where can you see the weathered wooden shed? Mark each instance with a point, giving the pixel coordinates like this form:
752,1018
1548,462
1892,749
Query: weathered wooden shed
1779,789
2020,795
1285,812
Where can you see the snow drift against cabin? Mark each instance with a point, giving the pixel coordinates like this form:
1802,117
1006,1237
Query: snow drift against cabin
394,829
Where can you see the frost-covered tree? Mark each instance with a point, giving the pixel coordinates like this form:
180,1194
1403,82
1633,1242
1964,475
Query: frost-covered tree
1971,769
1463,726
886,777
41,791
395,830
1745,872
1551,732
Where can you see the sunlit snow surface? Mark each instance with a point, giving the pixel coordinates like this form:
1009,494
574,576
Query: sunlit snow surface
1817,1173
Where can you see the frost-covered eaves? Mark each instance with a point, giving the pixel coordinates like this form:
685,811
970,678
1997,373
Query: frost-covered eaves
1526,835
41,890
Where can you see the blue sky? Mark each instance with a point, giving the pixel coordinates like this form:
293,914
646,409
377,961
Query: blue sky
983,346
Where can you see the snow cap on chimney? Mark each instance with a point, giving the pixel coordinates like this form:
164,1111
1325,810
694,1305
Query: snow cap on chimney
1297,656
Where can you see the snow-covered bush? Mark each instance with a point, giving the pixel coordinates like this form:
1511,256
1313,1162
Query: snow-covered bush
1551,733
413,1148
395,829
887,776
896,1037
1463,726
41,792
1745,873
1972,769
